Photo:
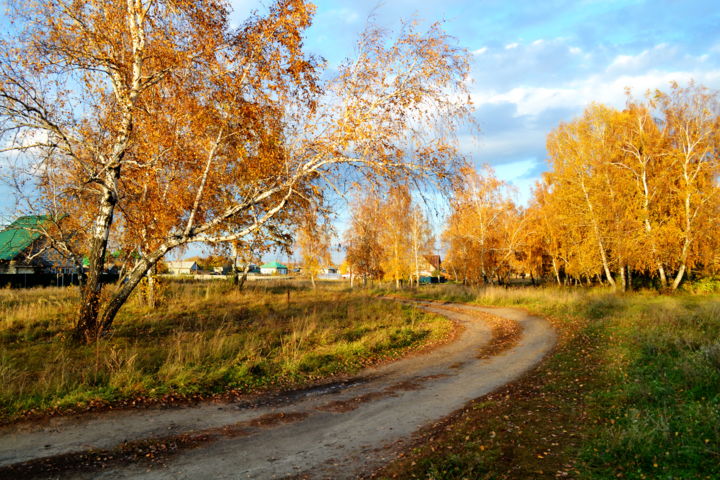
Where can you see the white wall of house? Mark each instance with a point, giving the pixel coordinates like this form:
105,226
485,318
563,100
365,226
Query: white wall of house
273,271
182,268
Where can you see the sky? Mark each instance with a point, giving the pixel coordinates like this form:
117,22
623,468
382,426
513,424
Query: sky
537,63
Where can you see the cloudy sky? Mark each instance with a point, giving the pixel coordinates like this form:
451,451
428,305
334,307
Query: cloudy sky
536,63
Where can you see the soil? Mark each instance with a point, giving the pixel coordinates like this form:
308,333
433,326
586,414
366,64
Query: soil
340,430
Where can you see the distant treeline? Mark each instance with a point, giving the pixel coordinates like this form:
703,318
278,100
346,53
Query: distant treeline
631,194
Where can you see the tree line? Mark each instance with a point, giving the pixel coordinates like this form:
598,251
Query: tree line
388,237
630,195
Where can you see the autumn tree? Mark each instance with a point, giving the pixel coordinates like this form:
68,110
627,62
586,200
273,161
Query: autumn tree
421,239
156,124
547,233
363,249
634,191
578,157
313,241
387,238
394,217
244,252
485,227
692,129
643,155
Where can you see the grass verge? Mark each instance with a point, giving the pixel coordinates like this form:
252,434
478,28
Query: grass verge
204,340
631,391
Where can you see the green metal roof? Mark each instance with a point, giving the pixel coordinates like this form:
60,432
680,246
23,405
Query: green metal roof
16,237
274,265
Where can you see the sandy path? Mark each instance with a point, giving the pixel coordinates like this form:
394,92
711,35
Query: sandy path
336,432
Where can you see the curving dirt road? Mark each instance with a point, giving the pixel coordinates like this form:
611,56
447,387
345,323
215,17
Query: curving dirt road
338,431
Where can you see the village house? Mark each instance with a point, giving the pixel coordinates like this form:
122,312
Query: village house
429,265
182,267
23,249
274,268
330,273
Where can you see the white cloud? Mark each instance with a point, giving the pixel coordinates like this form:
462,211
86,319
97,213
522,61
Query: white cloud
512,142
480,51
523,91
608,89
647,59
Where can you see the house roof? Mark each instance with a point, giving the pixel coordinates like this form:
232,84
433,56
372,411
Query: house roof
434,260
274,265
19,235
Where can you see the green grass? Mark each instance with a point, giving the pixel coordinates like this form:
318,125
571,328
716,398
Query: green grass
203,339
632,391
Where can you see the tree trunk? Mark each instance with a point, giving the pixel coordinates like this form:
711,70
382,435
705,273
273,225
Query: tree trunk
106,316
663,277
557,272
686,243
679,277
683,263
243,278
596,229
87,326
151,297
236,274
623,279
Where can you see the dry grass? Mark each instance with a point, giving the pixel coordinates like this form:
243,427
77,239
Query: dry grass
204,339
632,391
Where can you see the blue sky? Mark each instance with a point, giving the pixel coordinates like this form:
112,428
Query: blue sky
538,63
535,63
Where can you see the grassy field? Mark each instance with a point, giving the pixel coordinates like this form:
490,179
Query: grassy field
204,339
632,391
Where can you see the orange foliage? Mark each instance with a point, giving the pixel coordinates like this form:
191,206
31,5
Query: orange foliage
154,124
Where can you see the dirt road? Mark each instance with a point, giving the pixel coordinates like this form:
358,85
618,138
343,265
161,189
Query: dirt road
338,431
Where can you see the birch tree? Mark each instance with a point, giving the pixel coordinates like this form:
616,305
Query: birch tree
485,228
363,249
692,118
313,240
161,115
421,239
394,217
577,153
